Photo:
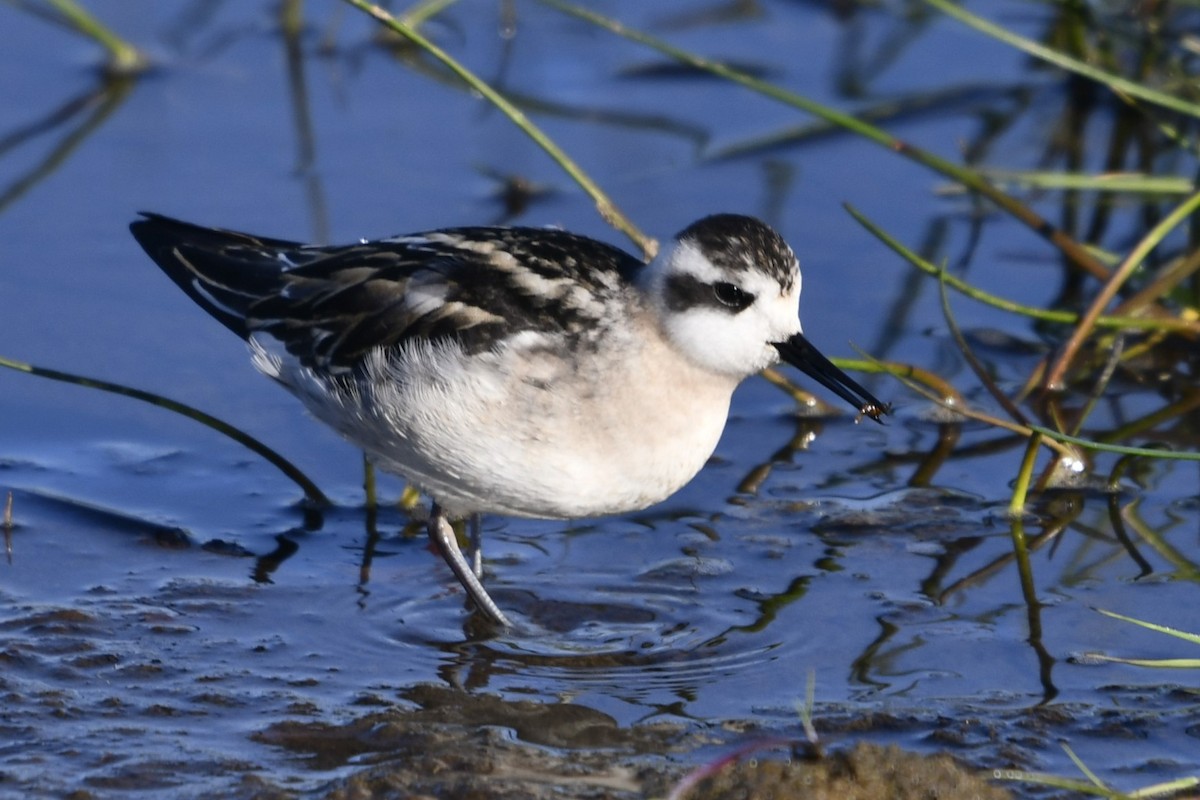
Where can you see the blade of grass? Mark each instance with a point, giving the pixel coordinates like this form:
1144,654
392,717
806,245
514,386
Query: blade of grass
1115,350
805,398
1162,284
1087,773
124,58
310,489
960,408
1054,378
1075,785
1016,504
1194,638
1075,252
1058,782
1091,444
1033,606
1123,182
604,205
291,17
806,708
1047,315
1164,789
976,366
1152,663
422,12
1094,786
1119,85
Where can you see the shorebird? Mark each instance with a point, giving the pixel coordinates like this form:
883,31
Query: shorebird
527,372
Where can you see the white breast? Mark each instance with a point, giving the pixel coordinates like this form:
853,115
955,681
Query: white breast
523,431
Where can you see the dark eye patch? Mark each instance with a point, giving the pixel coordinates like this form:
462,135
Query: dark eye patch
685,291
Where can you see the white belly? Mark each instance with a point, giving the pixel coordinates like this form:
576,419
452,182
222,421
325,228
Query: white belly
523,432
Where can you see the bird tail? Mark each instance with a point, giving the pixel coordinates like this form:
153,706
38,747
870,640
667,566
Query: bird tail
225,272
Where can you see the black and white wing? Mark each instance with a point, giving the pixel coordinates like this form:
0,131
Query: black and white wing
331,305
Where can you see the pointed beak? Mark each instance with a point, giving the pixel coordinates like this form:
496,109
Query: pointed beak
798,352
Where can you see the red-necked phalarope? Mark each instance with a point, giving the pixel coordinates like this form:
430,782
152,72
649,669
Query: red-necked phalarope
520,371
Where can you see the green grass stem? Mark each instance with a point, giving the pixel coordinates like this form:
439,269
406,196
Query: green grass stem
1152,663
1043,314
124,58
973,180
420,13
943,389
1096,787
1194,638
1082,767
1123,87
1181,213
604,205
973,362
958,406
1162,284
291,17
1170,788
1117,182
1016,504
314,494
1104,447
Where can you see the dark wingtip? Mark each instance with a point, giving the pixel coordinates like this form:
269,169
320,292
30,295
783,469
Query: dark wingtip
151,228
167,240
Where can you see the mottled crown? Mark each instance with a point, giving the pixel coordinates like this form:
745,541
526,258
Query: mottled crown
735,242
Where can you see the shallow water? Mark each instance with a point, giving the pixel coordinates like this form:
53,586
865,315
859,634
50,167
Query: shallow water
169,608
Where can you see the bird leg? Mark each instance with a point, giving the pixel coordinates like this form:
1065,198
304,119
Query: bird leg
475,525
442,535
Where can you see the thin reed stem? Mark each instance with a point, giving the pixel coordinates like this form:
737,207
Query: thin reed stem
973,180
314,494
1046,315
1016,504
124,58
1054,377
1122,87
604,205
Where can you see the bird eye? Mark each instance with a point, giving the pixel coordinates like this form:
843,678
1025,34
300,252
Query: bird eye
732,296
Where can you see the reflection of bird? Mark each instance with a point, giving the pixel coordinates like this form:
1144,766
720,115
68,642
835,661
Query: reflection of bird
520,371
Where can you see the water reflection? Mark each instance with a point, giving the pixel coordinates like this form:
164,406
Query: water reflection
884,563
73,122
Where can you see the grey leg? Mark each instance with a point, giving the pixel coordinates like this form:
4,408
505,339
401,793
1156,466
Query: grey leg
476,528
441,534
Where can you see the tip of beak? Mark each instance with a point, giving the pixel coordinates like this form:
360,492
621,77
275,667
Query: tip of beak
874,410
798,352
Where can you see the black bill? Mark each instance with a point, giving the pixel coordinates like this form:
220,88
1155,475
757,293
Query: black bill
798,352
